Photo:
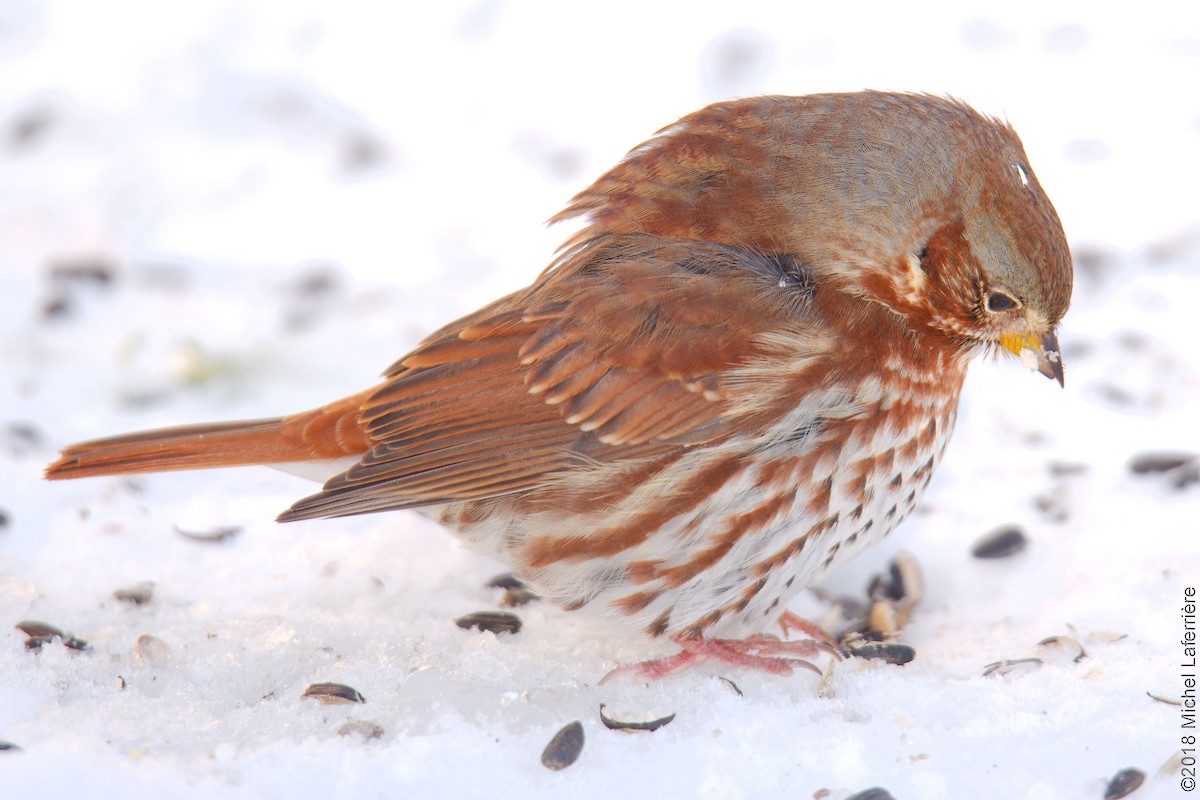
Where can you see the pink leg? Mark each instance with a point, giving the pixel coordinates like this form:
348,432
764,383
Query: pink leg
762,652
790,622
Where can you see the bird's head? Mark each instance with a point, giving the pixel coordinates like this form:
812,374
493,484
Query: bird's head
996,270
916,202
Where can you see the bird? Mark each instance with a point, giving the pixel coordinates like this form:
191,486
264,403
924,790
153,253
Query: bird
742,370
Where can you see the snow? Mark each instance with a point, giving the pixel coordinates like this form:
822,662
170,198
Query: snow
288,197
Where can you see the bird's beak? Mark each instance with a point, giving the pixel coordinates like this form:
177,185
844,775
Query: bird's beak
1040,354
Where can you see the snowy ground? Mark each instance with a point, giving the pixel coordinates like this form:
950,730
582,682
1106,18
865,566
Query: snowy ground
284,198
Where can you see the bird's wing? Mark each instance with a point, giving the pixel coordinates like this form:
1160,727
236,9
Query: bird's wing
623,350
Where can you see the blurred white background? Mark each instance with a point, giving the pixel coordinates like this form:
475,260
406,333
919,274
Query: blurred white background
226,209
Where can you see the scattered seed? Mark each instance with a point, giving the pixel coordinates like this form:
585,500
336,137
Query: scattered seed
647,725
8,746
41,633
494,621
882,589
731,684
317,279
505,580
366,729
1172,765
846,618
874,793
1054,505
21,438
1104,636
150,651
71,643
1001,543
138,594
334,694
57,306
825,687
883,621
94,270
1124,783
1064,644
1011,665
1149,463
1171,701
564,749
888,652
40,630
515,598
1066,469
1181,470
893,597
1186,475
362,151
211,536
907,573
31,126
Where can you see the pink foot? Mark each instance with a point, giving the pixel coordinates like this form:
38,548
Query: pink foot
761,651
793,622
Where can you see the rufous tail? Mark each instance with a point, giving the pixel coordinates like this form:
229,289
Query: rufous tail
227,444
329,432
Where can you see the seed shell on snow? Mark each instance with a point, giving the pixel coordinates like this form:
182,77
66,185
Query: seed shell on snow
614,724
892,597
150,651
1093,633
138,594
215,535
1064,645
902,583
41,633
1124,783
365,729
505,580
334,694
494,621
564,749
1182,469
888,652
1149,463
515,598
1001,543
1171,701
1012,665
874,793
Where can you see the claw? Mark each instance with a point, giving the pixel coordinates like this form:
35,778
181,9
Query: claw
761,652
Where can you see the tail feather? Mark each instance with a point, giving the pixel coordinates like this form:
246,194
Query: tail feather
223,444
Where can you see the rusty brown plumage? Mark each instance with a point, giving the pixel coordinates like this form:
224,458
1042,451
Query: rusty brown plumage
743,369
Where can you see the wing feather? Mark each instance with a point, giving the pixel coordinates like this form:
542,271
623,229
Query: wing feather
622,350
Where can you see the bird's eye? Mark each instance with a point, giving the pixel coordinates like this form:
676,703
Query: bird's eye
999,301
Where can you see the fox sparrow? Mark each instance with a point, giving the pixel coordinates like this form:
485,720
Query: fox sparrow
743,370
